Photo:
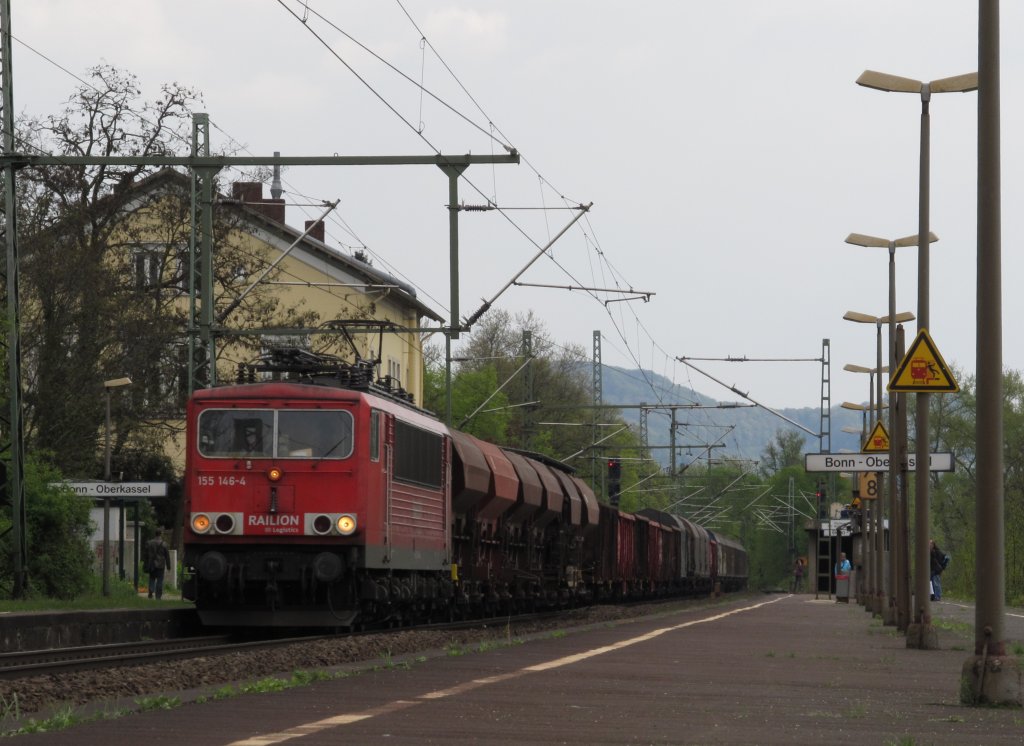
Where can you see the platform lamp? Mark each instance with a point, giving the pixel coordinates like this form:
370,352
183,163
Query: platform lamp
886,586
861,434
897,511
108,386
921,634
866,559
877,522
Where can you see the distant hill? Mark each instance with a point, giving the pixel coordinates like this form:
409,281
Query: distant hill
743,430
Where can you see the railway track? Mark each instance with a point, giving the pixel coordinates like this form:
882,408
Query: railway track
60,660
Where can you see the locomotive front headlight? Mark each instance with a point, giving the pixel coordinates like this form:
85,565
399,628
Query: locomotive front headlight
321,524
200,523
225,523
346,524
274,474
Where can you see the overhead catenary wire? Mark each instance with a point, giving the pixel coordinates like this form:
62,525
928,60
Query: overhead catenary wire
628,339
525,160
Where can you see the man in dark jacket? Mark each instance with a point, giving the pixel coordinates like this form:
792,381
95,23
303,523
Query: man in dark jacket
158,559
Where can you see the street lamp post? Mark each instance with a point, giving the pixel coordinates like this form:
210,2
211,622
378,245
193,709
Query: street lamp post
897,509
874,546
884,582
865,578
108,386
993,676
920,633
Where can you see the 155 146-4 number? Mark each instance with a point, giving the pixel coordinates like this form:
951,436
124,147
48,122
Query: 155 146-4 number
209,480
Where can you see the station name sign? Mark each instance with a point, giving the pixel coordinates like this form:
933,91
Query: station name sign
871,462
117,489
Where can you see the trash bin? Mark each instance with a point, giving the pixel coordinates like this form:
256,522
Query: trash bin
842,588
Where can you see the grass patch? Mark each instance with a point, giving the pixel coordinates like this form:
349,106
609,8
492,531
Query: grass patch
224,692
856,711
64,718
122,596
262,686
961,628
157,703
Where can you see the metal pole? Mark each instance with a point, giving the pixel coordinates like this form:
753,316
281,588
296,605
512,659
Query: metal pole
106,500
892,496
903,579
995,677
17,436
120,539
135,549
989,506
880,592
922,635
866,528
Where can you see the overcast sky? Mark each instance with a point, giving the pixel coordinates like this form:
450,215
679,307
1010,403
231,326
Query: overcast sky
725,146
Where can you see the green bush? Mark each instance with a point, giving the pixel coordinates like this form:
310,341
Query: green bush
57,531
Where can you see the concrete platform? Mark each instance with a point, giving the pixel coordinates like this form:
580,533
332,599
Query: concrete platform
36,630
776,669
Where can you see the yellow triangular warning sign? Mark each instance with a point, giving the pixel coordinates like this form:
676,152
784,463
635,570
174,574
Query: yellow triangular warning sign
923,369
878,440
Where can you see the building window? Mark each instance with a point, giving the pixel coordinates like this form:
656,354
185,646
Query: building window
147,269
156,266
395,370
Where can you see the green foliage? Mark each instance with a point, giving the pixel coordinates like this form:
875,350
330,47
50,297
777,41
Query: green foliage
159,702
57,532
953,421
551,388
786,449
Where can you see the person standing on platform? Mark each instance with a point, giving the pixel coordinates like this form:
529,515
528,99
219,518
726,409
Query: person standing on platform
158,559
798,575
843,565
842,573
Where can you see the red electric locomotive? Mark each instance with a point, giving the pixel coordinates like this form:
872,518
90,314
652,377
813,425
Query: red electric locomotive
294,491
327,499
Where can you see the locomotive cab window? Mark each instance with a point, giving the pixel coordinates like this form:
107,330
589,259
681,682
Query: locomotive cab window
321,433
266,433
231,433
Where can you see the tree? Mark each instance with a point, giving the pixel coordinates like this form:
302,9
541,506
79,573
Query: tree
105,270
57,530
552,387
954,421
785,449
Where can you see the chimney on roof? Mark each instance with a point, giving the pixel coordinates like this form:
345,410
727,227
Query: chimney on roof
317,231
250,193
275,186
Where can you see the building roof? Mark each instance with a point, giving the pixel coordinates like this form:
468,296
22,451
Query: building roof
268,214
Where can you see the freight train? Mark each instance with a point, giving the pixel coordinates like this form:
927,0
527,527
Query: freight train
325,498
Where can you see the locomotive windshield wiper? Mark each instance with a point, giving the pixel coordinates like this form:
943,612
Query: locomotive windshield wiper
330,450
